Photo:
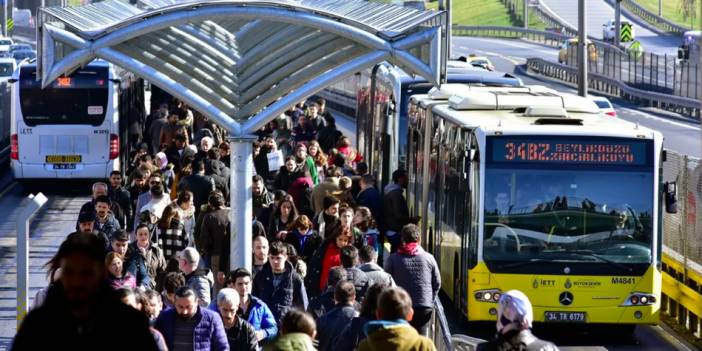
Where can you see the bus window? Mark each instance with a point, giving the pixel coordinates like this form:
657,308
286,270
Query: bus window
83,98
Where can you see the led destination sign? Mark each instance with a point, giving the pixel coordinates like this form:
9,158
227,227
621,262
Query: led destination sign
596,152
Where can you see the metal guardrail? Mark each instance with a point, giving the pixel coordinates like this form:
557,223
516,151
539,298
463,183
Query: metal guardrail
552,39
651,18
682,294
610,86
440,333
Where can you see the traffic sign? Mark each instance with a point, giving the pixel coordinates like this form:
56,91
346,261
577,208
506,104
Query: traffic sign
10,24
626,34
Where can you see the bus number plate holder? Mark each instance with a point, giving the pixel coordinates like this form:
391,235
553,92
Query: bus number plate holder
63,159
569,317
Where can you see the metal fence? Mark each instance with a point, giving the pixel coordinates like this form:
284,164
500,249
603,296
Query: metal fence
650,17
440,333
647,71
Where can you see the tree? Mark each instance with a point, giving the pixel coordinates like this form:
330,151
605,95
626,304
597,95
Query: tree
688,9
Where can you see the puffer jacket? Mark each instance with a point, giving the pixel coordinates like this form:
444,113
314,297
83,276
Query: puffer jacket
288,294
209,333
258,315
376,274
202,281
517,340
418,274
394,335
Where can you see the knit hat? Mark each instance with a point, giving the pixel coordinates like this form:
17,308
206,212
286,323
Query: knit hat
514,312
330,201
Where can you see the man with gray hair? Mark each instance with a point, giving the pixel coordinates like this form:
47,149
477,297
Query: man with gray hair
240,334
201,280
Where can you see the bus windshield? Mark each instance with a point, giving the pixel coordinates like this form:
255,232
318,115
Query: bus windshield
541,209
83,98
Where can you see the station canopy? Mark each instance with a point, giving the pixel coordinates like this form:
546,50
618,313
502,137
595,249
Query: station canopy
241,63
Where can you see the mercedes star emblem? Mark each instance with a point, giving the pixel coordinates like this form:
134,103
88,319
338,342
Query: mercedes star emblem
565,298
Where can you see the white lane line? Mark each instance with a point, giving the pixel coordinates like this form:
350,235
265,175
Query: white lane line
9,187
658,119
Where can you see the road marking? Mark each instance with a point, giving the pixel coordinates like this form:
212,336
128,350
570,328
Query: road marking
9,187
658,119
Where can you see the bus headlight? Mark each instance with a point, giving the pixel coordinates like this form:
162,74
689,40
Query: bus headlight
639,299
492,295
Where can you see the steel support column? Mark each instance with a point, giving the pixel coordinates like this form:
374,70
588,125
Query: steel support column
582,48
241,201
617,22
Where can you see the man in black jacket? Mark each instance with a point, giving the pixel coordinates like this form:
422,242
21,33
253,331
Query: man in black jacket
349,263
101,189
328,135
278,285
199,184
330,324
81,312
178,151
240,334
119,195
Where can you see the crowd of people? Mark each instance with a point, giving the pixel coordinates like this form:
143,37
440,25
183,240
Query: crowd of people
157,241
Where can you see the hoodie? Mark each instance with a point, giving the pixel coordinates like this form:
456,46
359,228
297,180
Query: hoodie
395,335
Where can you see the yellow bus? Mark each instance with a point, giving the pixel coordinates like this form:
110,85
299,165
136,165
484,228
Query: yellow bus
529,189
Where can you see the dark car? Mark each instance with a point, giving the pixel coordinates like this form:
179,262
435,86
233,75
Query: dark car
20,55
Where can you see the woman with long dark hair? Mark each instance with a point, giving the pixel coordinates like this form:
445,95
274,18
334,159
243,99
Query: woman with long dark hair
364,221
327,256
303,238
285,214
172,237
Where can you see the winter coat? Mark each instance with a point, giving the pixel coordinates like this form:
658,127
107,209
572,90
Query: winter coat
121,196
110,226
301,192
208,334
517,340
321,190
352,335
202,281
285,178
213,232
331,323
305,245
328,137
288,294
360,281
201,186
395,210
53,327
316,271
417,273
308,167
261,201
370,198
291,342
321,304
394,335
150,260
376,274
261,317
242,336
304,134
174,239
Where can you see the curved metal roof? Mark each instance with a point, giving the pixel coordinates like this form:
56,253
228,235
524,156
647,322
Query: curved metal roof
241,63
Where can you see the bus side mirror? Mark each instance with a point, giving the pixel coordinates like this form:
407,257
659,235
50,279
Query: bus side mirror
670,191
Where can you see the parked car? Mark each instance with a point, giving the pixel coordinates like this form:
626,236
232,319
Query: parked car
608,29
604,104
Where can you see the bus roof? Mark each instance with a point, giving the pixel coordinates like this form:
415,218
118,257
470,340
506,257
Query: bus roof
442,94
547,116
461,72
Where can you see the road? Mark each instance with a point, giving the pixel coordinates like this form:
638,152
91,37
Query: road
599,12
680,136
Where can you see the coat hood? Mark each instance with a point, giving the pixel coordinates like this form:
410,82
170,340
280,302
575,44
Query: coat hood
389,335
292,342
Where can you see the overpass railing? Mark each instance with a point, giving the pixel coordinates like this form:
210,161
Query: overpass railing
440,333
651,18
682,253
615,87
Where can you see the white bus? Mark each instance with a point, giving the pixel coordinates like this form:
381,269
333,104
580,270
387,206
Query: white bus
71,129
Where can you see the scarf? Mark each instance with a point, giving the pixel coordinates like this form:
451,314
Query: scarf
411,249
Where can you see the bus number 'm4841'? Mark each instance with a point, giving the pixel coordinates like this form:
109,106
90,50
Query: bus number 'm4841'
623,280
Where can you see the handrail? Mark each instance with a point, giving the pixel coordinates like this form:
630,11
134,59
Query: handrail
440,333
465,342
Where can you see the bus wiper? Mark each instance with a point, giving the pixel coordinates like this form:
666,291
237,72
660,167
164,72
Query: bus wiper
590,253
523,263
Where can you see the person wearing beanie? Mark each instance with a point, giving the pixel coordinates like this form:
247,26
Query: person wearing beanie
514,318
328,219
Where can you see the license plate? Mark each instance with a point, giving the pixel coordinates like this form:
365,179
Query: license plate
63,158
570,317
64,166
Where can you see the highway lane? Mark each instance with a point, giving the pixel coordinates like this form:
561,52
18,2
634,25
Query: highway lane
48,229
599,12
680,135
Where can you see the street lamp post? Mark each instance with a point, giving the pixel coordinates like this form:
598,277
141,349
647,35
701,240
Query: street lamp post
582,49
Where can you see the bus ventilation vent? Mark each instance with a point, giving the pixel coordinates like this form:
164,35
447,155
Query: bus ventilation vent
559,121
